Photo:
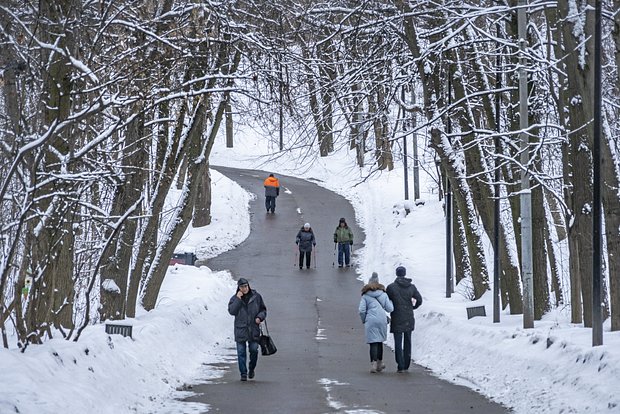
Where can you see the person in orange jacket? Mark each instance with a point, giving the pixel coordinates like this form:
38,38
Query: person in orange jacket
272,190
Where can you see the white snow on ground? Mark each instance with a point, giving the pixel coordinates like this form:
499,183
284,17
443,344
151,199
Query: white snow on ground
549,369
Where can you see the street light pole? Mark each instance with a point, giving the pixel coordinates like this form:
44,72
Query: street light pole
526,194
449,203
402,96
597,316
496,215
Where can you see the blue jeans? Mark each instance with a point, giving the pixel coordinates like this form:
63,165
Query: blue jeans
344,250
242,356
270,203
402,350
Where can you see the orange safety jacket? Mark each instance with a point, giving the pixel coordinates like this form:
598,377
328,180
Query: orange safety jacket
271,182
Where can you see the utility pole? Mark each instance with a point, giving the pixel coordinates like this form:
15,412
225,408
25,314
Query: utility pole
449,202
416,161
281,92
597,316
496,215
402,97
526,193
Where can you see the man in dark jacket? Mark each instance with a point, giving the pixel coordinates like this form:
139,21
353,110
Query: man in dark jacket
405,297
249,310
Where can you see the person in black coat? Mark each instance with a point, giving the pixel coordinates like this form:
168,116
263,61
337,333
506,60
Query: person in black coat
305,240
249,310
405,297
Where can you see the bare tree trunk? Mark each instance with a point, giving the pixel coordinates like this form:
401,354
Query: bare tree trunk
202,209
580,111
610,206
463,197
461,258
115,270
556,285
483,194
539,254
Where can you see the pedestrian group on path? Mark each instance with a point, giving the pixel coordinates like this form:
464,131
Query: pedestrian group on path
399,300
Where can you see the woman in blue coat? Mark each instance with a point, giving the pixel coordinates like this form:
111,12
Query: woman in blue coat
373,307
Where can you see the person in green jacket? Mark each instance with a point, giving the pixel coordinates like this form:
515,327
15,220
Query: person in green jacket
344,237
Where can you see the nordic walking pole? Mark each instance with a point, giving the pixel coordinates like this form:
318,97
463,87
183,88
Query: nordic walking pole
296,253
314,254
334,260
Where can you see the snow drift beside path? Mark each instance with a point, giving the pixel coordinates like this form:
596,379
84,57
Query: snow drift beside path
189,327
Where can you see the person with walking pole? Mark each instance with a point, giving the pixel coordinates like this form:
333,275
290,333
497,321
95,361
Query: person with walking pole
305,240
343,236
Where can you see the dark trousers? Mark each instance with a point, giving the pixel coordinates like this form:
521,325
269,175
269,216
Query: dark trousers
376,351
344,249
270,203
242,356
402,350
301,259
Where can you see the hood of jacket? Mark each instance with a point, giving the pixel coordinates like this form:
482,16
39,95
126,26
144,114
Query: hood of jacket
403,281
373,289
271,182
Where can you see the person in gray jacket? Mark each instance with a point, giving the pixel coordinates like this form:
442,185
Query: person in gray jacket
249,310
405,297
373,307
305,240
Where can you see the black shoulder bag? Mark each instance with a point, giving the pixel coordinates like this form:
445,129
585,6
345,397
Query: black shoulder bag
267,346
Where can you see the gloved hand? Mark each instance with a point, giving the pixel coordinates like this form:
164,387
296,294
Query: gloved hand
335,241
351,242
314,244
296,241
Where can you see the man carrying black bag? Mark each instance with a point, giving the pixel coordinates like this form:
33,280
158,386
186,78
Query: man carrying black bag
249,310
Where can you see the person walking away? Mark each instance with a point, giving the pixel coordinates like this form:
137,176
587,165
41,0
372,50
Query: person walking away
272,190
373,307
249,310
305,240
405,297
344,237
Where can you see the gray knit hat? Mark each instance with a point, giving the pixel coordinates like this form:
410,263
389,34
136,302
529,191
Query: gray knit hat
374,278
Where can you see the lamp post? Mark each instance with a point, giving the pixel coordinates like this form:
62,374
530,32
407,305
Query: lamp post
449,203
526,193
496,203
597,316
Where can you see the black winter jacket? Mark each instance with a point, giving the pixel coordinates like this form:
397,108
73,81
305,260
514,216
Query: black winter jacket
245,313
400,292
305,239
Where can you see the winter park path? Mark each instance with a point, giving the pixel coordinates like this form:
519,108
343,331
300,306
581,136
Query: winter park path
322,364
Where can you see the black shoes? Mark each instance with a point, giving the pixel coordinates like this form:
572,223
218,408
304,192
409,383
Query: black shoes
251,374
244,377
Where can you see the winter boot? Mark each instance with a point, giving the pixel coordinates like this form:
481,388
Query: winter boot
380,365
373,367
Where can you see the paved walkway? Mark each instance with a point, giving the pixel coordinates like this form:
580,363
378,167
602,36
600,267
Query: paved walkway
322,364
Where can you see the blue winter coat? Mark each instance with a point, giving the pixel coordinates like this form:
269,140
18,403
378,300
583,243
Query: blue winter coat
245,313
373,307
